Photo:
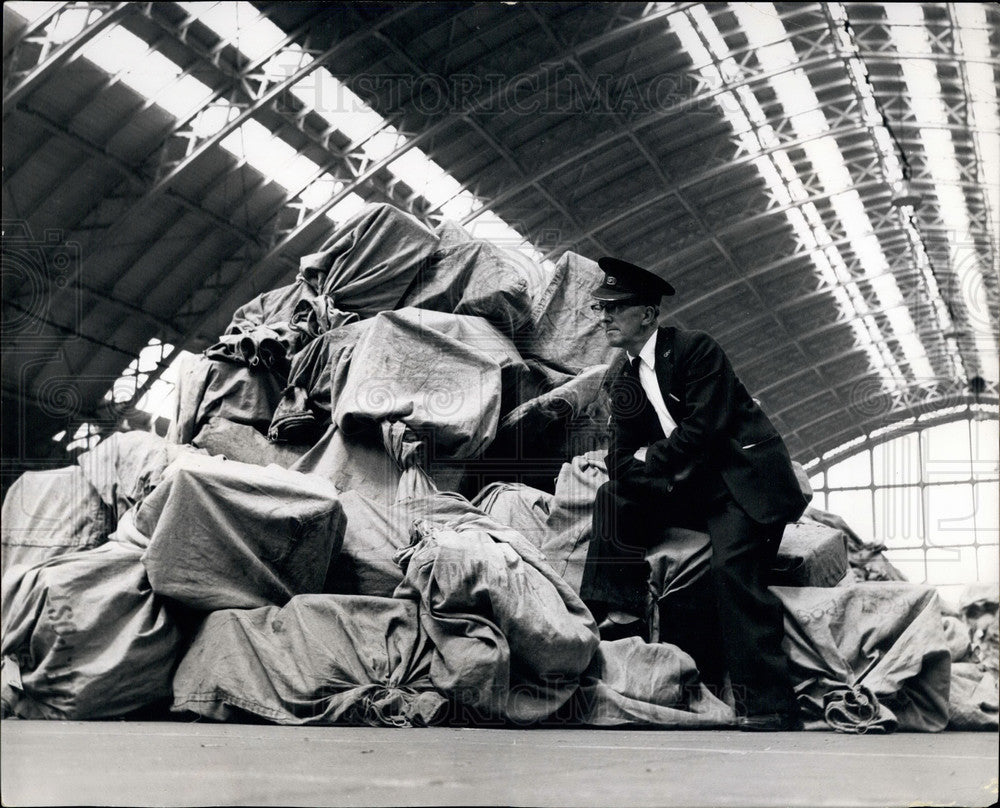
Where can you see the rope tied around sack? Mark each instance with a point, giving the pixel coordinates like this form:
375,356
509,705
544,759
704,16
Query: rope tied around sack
855,709
383,706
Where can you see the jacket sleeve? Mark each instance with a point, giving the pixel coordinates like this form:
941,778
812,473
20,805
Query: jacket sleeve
709,394
622,440
620,459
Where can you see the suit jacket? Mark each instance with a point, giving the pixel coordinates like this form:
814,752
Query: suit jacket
719,428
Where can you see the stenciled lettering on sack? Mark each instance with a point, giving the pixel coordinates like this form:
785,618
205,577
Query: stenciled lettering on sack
874,603
61,621
820,611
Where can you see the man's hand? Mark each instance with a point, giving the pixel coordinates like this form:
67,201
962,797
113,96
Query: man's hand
640,454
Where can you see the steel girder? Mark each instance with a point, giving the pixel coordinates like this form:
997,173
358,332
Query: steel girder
20,82
901,427
917,401
878,47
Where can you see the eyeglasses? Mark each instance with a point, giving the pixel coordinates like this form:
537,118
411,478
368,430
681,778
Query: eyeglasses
611,308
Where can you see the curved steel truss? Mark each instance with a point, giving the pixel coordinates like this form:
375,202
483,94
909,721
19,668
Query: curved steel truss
830,217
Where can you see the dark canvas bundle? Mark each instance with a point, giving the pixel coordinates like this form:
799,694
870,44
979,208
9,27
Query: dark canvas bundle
510,637
85,637
478,278
317,375
225,535
429,371
810,555
867,559
578,401
631,682
870,657
568,419
320,659
208,388
565,333
266,332
49,513
368,263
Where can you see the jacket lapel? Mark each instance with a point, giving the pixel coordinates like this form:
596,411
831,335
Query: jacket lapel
665,368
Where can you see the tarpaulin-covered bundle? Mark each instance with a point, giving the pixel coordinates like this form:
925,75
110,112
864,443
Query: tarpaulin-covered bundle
448,377
386,491
565,333
268,330
376,532
225,535
357,461
631,682
49,513
810,555
511,638
126,466
319,659
364,268
243,443
382,461
85,637
566,421
439,374
370,261
974,701
479,278
208,389
519,506
559,525
980,608
975,676
867,559
869,657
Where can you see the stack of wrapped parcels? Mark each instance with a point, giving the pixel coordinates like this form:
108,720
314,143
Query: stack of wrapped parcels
374,506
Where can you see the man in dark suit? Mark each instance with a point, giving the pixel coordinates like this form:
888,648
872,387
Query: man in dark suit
691,448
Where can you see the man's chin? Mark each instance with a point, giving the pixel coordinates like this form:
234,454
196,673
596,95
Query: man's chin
614,338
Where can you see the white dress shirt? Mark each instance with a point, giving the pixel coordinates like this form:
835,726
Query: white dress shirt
647,378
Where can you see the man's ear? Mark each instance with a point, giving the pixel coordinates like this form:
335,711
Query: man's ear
652,315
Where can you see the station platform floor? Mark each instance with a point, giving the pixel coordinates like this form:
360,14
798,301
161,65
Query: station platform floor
181,764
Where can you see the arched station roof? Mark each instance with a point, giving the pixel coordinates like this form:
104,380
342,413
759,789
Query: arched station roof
819,181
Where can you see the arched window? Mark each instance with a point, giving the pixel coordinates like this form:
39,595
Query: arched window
929,492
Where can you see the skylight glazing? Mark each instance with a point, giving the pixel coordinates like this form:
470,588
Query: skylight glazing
767,35
130,60
924,95
741,107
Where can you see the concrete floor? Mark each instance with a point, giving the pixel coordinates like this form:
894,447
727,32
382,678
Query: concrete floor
175,764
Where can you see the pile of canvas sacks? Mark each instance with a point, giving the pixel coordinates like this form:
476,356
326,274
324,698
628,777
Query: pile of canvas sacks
374,508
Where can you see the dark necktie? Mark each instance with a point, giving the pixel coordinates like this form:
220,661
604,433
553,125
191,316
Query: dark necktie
642,402
634,399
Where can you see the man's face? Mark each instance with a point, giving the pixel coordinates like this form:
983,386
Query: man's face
624,324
